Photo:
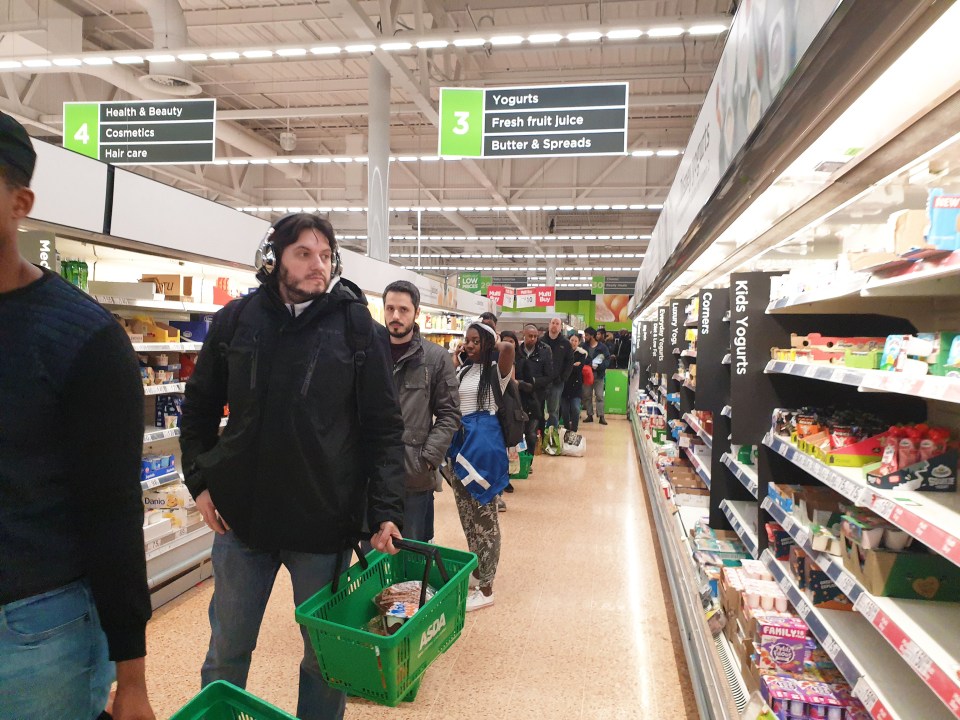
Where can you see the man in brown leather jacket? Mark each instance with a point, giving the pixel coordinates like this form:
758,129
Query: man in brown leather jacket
429,397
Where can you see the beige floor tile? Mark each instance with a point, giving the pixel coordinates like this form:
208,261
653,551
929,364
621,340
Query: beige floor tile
580,630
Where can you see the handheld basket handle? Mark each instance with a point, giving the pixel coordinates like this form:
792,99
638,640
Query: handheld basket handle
432,553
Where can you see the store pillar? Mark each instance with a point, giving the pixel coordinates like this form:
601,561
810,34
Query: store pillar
378,164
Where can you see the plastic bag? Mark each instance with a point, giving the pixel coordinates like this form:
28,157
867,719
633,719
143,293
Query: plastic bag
574,445
403,592
513,458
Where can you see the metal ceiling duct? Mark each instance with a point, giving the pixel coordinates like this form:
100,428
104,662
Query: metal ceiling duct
169,33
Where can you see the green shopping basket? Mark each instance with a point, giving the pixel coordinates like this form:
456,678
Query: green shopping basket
222,701
387,670
526,460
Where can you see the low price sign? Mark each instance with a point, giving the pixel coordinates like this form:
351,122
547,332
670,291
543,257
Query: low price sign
545,120
155,132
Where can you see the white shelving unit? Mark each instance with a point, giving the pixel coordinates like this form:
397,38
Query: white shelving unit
152,435
874,670
932,518
161,480
702,470
174,539
739,512
915,629
160,305
929,387
443,332
691,420
746,474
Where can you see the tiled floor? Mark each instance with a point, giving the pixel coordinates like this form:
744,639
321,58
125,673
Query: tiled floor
580,628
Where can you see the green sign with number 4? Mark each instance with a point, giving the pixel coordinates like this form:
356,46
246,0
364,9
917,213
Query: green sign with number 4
461,122
81,128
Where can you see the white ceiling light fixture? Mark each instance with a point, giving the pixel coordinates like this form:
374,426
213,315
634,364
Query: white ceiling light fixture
625,34
225,55
643,153
499,40
584,36
161,58
10,64
396,46
541,38
665,32
469,42
708,29
432,44
326,50
67,62
37,63
668,152
292,52
189,57
360,48
257,54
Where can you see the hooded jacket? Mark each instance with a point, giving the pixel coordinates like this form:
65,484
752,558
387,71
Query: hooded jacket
534,375
427,387
314,439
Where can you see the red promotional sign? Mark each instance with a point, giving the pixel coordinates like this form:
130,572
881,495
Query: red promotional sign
526,297
495,293
546,296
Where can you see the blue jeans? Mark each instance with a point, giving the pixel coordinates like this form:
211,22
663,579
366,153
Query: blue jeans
570,413
244,578
54,662
553,404
418,516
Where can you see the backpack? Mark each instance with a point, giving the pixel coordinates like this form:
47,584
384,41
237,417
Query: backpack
513,420
587,375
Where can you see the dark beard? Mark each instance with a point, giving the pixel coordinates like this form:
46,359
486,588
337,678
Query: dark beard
399,334
295,294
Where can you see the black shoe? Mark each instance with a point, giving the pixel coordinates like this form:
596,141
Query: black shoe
603,421
589,418
508,488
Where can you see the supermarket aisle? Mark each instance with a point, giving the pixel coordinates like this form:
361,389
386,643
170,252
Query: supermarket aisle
580,628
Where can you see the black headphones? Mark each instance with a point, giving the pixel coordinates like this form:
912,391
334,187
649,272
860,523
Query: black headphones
266,258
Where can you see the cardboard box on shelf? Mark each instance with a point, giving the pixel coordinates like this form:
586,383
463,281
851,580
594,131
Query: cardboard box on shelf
906,574
172,287
822,591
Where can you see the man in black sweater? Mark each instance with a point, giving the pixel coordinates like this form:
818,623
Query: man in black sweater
313,446
534,374
562,365
73,579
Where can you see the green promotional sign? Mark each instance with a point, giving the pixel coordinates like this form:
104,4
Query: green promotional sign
461,122
599,282
469,281
485,282
81,128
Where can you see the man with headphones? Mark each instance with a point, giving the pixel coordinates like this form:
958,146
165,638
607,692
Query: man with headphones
313,446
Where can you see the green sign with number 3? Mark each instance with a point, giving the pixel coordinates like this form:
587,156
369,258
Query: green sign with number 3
81,128
461,122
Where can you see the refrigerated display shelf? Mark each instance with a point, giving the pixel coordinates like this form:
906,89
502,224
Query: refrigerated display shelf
914,628
164,389
162,480
702,470
930,387
739,512
173,540
874,670
691,420
714,694
185,347
744,473
932,518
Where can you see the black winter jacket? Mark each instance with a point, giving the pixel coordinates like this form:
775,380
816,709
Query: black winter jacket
534,375
562,352
314,440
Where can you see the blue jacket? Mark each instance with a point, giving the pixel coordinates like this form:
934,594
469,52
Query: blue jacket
480,456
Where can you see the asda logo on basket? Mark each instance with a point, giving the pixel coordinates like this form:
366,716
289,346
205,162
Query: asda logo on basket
431,632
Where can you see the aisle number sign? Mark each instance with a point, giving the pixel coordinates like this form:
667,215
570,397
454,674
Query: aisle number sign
540,121
154,132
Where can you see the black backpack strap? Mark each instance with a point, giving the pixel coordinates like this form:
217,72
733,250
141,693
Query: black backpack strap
359,333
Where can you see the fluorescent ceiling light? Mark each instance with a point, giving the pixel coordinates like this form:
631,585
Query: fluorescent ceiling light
407,158
667,153
361,48
259,161
643,153
707,29
658,206
279,161
665,32
291,52
239,161
97,60
37,63
225,55
429,158
325,50
190,57
299,160
322,160
67,62
395,46
361,159
506,40
625,34
254,54
584,35
469,42
163,58
432,44
10,64
545,38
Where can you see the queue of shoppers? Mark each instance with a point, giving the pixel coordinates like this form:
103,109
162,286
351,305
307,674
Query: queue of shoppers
340,430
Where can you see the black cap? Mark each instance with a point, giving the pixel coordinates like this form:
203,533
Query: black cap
16,150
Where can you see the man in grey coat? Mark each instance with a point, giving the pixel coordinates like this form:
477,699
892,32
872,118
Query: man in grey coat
429,396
